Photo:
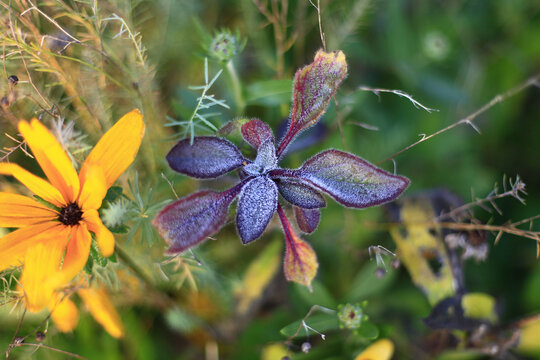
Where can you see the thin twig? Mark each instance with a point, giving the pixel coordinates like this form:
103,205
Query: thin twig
23,59
54,349
469,119
511,228
34,7
401,93
518,187
318,8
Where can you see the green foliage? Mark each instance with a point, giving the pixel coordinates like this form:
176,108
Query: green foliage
85,63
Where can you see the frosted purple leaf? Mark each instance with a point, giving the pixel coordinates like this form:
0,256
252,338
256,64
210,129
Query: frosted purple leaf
256,132
300,194
349,179
190,220
208,157
256,205
266,159
307,219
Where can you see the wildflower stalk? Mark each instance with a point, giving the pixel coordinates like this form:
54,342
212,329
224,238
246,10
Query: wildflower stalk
130,263
237,88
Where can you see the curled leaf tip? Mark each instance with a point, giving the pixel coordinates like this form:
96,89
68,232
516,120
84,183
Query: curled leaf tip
314,86
256,132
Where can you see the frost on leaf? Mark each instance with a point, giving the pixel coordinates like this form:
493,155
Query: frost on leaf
314,86
256,132
266,159
208,157
300,194
300,264
350,180
307,219
192,219
256,206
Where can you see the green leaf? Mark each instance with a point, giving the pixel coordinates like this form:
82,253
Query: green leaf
269,92
320,295
319,322
368,330
113,193
366,284
119,229
180,320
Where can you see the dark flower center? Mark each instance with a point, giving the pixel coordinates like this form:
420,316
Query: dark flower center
70,215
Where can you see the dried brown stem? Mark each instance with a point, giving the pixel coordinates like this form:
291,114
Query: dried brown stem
518,187
277,16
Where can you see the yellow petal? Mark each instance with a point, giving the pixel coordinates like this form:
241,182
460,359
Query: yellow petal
41,260
94,187
528,339
14,245
380,350
104,237
52,158
102,309
35,184
19,211
116,150
77,251
64,313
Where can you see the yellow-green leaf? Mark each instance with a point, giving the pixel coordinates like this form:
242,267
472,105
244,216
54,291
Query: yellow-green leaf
259,273
479,306
300,263
418,244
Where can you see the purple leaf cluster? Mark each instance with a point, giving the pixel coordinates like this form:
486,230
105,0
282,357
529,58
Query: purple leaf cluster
348,179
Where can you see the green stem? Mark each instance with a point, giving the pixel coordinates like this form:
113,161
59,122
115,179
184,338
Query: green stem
130,263
237,88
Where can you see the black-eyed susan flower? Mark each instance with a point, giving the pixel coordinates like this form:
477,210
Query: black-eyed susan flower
53,241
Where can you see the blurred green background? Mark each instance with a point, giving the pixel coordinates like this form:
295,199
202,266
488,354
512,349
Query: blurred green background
453,56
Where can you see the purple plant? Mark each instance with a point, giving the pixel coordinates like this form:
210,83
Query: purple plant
350,180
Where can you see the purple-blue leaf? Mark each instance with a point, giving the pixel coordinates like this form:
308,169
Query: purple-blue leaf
190,220
256,132
349,179
208,157
256,205
266,159
307,219
299,194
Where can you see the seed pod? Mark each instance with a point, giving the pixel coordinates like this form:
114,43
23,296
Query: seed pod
380,272
40,336
13,80
4,102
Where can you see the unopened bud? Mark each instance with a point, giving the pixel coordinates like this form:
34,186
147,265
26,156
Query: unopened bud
380,272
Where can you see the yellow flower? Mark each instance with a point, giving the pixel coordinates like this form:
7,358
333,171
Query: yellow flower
66,316
54,244
382,349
